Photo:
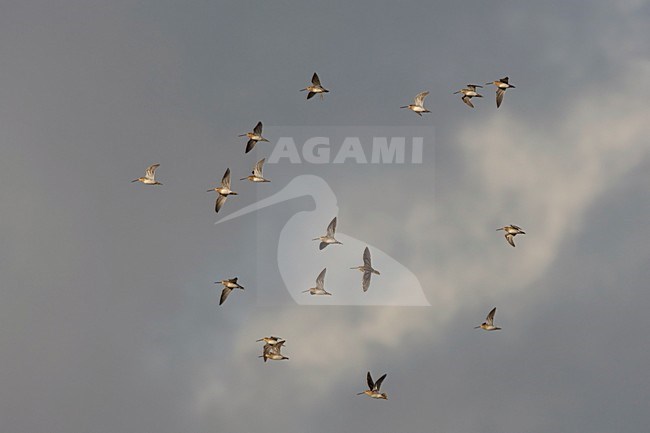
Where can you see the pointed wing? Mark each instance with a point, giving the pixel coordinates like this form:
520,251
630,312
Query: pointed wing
379,381
322,245
225,180
151,171
221,199
419,99
250,145
315,80
257,171
331,229
371,384
233,280
515,227
366,258
474,86
310,95
224,294
320,280
500,93
510,239
258,128
490,317
366,280
467,100
504,80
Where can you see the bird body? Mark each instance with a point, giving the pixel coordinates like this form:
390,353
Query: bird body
418,104
228,286
373,388
254,137
367,269
320,285
488,325
316,88
224,191
256,174
512,231
502,85
328,238
149,177
468,93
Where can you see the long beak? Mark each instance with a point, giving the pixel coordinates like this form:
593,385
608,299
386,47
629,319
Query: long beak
476,327
360,393
135,180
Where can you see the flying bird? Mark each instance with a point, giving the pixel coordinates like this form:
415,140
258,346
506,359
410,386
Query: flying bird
502,85
315,88
149,176
329,236
320,285
373,388
271,340
488,325
256,174
512,231
254,137
228,286
224,191
418,106
273,352
367,269
469,93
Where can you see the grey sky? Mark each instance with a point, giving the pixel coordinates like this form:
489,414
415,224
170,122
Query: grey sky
109,318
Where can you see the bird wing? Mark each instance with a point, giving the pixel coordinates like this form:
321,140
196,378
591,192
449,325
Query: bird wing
250,145
320,280
371,384
379,381
366,258
322,245
224,294
221,199
515,227
257,171
315,80
467,100
504,80
500,93
258,128
366,280
331,229
510,239
490,317
310,95
419,99
151,171
225,180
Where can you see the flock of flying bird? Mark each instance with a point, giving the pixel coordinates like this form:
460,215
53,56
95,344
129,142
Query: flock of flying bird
273,345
